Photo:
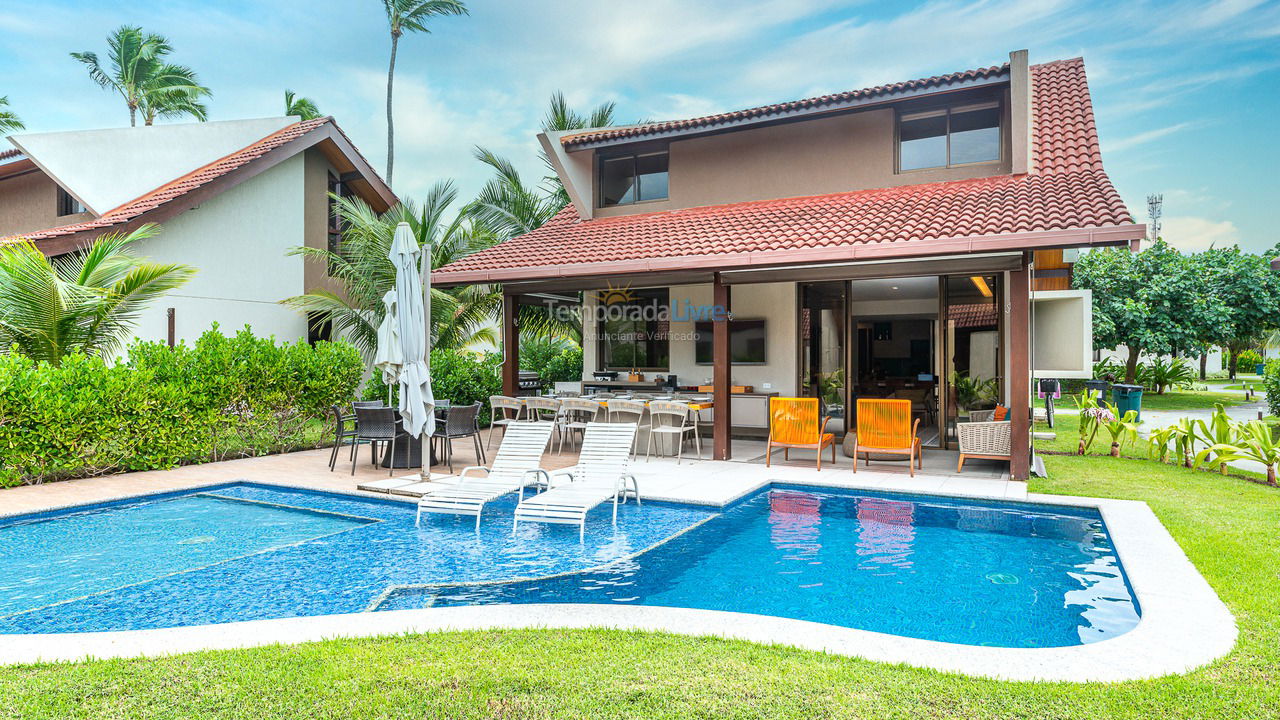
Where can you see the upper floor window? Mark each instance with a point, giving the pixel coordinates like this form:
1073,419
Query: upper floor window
626,179
337,188
68,205
962,135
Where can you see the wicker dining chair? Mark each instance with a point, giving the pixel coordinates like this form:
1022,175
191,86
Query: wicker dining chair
379,425
672,419
356,441
506,410
344,430
575,415
543,409
627,411
460,421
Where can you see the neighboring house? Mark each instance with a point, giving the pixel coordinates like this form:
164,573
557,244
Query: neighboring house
231,198
864,244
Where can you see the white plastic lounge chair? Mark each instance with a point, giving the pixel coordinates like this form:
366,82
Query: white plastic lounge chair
601,474
514,466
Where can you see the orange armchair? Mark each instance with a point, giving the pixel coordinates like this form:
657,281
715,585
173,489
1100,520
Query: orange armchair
885,427
793,423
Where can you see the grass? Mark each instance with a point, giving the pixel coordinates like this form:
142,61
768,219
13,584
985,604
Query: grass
1227,526
1189,400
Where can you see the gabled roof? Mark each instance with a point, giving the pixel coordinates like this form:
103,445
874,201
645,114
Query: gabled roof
814,103
190,189
1066,199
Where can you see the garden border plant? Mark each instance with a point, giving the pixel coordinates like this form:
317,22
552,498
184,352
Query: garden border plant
221,398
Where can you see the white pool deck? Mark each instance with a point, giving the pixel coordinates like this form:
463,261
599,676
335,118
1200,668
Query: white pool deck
1184,625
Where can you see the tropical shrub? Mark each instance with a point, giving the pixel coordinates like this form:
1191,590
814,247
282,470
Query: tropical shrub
1248,359
975,393
1161,374
459,376
87,302
1099,415
1271,381
221,397
1254,441
1182,437
1217,432
1108,369
553,360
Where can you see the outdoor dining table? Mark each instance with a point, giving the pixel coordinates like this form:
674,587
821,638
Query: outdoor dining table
409,454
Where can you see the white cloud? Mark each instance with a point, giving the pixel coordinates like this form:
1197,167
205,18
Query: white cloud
1147,136
1192,233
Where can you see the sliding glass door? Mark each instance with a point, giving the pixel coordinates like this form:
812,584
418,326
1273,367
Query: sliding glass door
824,322
970,318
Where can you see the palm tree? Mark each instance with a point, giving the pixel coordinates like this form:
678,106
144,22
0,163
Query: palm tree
460,317
561,117
410,16
9,120
304,108
148,84
88,301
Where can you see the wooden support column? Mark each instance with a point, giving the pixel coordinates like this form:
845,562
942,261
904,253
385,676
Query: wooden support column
1019,323
721,373
510,345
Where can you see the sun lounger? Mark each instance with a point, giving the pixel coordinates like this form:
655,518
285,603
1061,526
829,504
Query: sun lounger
600,475
515,465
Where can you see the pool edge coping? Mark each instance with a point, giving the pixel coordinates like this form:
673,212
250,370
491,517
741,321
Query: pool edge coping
1184,624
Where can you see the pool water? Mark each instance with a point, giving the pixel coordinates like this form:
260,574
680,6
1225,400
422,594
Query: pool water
255,552
983,573
49,561
1002,575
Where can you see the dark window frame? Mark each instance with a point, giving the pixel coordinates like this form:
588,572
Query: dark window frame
660,296
68,204
333,226
947,111
633,155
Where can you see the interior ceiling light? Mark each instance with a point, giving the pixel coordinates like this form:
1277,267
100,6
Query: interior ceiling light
981,283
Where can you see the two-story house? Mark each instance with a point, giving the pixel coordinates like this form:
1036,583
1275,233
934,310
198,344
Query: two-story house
231,198
909,240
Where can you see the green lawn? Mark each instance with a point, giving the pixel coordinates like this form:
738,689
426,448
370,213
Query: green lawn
1189,400
1227,526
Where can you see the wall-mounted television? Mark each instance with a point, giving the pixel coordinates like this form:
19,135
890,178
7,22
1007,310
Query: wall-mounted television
747,344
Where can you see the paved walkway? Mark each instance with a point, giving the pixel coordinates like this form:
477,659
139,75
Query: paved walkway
696,481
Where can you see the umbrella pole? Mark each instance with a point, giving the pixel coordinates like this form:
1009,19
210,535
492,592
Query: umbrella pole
424,269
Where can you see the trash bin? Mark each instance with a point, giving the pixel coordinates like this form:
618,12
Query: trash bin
1096,386
1126,398
1260,369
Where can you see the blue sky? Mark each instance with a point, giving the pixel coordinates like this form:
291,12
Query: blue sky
1185,92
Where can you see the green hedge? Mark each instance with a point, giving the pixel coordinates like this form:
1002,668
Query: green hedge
552,362
458,376
223,397
1271,381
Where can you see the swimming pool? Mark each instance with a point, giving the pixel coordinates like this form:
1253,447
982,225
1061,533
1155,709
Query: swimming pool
980,573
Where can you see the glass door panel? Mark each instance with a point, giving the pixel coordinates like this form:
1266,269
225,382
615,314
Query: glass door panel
823,325
974,354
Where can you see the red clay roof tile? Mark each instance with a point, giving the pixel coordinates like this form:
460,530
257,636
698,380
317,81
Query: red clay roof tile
778,108
1066,189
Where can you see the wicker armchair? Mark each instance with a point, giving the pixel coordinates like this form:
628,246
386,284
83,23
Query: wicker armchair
989,440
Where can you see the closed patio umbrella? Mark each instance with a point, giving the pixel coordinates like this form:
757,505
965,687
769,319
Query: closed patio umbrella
389,357
413,285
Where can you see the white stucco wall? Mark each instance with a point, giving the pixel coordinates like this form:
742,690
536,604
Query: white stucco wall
237,241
